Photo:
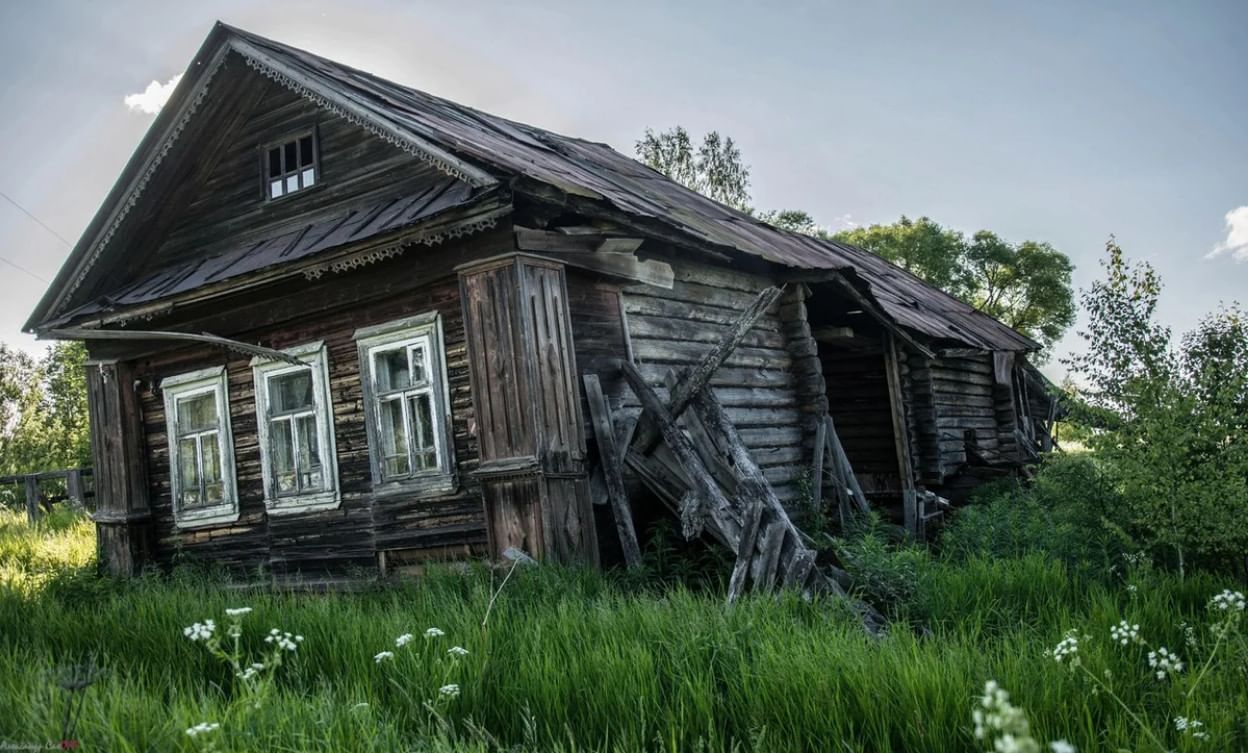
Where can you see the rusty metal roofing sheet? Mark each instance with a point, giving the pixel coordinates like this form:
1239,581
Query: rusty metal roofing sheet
592,170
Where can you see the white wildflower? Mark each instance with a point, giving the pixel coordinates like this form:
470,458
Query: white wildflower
1132,588
203,728
248,673
1002,722
383,656
1228,601
237,611
1193,727
1061,746
1124,633
450,691
1067,649
200,631
403,640
434,632
457,651
1164,662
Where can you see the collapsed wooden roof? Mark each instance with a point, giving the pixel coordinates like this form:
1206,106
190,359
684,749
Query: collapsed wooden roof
485,153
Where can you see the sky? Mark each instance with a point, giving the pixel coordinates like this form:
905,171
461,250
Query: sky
1063,122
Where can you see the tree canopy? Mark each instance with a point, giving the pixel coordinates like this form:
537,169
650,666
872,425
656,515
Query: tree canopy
43,410
1026,285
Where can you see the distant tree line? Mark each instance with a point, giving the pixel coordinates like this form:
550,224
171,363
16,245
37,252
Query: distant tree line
1026,285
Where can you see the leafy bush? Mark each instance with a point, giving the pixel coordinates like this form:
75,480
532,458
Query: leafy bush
1071,512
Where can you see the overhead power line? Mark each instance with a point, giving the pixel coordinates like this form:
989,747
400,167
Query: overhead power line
41,224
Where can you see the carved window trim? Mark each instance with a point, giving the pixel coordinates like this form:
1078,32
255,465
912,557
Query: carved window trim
422,331
329,495
211,381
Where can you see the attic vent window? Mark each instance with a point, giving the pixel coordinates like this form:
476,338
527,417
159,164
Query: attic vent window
291,166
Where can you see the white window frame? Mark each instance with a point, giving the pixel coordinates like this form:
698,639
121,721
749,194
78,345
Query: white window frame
424,329
264,369
211,380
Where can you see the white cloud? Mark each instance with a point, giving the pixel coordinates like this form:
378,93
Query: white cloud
1236,243
844,222
154,97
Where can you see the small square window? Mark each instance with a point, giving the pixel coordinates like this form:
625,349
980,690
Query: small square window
290,166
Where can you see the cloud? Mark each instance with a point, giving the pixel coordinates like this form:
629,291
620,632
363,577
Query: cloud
154,97
1236,243
844,222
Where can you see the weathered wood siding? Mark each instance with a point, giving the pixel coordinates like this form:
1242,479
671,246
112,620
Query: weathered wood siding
858,401
757,384
954,396
409,528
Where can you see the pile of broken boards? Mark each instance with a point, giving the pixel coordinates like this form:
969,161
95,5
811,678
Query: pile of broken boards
704,473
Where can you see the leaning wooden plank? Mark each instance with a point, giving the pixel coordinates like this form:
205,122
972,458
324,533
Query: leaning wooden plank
816,474
612,468
745,550
768,557
700,480
845,470
647,433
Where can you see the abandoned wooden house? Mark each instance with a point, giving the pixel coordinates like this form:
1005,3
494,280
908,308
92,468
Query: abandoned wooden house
335,323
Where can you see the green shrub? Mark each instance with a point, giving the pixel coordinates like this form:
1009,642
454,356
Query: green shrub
1070,512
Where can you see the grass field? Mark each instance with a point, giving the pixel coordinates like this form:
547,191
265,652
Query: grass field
579,661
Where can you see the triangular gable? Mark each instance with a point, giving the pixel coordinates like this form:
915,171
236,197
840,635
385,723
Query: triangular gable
97,259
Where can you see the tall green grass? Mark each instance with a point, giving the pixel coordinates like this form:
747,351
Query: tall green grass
574,661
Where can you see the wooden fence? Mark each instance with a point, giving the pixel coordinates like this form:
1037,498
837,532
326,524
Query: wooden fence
78,486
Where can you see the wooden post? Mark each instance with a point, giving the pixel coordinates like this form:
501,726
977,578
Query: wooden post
32,499
901,438
122,518
612,470
73,486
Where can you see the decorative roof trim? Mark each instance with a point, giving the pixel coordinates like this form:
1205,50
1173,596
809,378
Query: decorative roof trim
357,116
372,256
157,156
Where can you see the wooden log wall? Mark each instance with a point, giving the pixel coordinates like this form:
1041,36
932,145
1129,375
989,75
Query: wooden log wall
404,528
858,401
955,395
757,385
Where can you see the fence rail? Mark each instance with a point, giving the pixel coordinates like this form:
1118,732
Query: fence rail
78,487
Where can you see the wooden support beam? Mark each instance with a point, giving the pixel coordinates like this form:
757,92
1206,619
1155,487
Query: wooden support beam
816,481
745,549
901,438
612,468
700,376
844,470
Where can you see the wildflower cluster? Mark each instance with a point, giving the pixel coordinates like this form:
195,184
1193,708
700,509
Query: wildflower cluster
1192,727
1067,651
1005,725
1164,662
430,653
254,677
1124,633
202,728
1228,601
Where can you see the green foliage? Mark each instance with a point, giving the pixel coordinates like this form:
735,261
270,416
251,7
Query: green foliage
1071,513
43,410
570,662
714,169
1027,285
1172,422
885,575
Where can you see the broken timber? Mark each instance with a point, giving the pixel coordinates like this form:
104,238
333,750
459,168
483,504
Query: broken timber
609,457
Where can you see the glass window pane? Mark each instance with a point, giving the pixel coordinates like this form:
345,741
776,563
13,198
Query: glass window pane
197,413
188,472
291,163
212,457
292,184
275,162
281,458
291,391
309,177
309,453
390,370
419,364
305,151
275,189
421,407
393,439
